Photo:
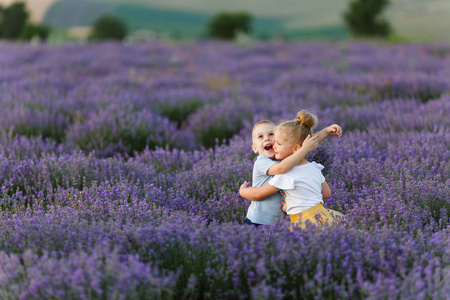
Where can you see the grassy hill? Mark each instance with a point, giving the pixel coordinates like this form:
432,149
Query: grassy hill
187,23
66,14
292,18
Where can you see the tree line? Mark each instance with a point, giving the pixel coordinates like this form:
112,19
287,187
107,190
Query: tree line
363,18
15,24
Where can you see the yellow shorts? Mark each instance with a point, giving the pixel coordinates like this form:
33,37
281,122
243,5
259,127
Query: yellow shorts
327,216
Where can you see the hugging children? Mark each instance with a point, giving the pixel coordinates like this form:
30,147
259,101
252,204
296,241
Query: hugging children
281,166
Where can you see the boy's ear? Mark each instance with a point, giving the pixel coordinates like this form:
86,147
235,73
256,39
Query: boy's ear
254,149
296,147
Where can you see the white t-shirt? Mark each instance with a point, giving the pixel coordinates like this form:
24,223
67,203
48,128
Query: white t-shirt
302,185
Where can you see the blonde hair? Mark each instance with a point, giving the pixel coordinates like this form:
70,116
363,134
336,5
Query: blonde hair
300,128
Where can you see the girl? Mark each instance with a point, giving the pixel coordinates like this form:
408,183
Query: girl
304,186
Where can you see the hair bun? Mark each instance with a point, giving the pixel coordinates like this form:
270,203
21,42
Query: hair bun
307,119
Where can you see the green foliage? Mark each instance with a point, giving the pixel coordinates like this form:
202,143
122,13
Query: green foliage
30,31
12,20
14,24
363,18
226,25
108,27
218,132
48,130
179,112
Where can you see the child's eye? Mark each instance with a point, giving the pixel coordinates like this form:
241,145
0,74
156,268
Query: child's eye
260,136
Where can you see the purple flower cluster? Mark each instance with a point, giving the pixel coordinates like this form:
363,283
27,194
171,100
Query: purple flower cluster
120,167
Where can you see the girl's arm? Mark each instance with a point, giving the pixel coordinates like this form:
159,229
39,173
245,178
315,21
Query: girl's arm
334,129
326,191
309,144
257,193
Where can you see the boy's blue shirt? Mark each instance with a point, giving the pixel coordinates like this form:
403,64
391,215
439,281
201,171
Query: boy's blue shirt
267,211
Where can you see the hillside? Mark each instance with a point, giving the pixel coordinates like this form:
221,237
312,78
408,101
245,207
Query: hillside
70,13
419,20
412,18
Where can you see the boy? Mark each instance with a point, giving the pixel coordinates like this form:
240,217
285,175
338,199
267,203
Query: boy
268,211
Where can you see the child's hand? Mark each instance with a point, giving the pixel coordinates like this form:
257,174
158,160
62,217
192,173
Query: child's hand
244,186
334,129
310,143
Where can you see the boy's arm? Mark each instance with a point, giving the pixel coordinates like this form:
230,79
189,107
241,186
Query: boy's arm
334,129
257,193
309,144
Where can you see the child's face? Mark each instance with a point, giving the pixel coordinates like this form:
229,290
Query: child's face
282,147
263,139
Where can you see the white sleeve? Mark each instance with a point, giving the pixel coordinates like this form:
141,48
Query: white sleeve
320,168
283,182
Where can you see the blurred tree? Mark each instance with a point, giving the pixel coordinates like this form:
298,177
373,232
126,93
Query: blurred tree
226,25
31,30
363,18
108,27
12,20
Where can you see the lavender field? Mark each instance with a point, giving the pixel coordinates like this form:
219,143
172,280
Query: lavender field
120,167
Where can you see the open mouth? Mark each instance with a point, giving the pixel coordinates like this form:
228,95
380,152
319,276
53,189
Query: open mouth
268,147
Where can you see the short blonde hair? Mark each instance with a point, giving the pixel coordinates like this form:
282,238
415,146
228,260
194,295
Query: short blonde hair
261,122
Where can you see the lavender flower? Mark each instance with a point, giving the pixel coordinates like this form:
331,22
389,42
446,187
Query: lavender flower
120,167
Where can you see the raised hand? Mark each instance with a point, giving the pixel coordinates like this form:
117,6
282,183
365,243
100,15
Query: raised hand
310,143
334,129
